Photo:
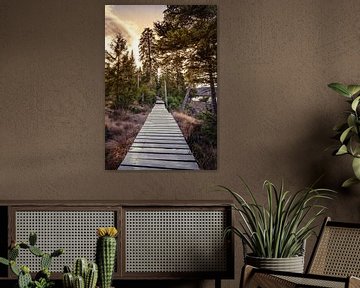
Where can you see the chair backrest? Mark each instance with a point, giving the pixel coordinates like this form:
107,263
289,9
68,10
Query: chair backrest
337,251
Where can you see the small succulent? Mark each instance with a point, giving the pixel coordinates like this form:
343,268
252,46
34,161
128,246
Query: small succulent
43,283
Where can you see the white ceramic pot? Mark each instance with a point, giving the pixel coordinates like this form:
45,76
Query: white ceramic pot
291,264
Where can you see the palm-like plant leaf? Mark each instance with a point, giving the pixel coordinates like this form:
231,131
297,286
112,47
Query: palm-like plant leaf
280,228
340,88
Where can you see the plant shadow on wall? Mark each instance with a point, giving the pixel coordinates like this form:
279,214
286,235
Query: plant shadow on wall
316,157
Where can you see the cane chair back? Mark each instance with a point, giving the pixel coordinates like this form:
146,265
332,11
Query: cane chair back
335,262
337,252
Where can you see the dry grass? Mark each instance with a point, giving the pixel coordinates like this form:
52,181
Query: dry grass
121,128
204,152
186,123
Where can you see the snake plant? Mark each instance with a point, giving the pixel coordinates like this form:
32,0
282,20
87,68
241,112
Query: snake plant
348,132
279,228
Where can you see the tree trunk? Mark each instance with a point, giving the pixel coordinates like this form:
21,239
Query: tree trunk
186,99
149,57
165,94
213,91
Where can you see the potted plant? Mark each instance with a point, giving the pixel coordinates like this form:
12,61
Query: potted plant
84,274
106,254
348,132
276,233
42,278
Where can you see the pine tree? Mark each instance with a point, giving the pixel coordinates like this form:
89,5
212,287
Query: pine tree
148,54
189,31
120,74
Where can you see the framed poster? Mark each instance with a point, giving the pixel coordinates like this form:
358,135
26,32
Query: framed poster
160,87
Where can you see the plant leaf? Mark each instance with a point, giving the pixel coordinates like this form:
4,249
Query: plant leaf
356,167
349,182
4,261
351,120
345,134
340,88
354,145
353,89
355,103
14,268
279,228
342,150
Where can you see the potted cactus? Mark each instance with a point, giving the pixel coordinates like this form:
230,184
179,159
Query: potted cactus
84,275
42,278
106,254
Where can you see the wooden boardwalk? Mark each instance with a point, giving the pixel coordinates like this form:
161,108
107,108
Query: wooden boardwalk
160,145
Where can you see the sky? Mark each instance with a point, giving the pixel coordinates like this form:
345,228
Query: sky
130,20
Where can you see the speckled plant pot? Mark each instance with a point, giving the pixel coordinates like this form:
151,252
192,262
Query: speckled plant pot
291,264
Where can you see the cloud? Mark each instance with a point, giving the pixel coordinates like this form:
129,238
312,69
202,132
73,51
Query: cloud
130,21
129,30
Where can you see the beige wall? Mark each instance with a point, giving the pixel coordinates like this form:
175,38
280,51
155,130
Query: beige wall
276,113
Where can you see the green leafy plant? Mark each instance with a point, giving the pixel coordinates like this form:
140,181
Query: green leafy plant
42,278
279,229
43,283
348,132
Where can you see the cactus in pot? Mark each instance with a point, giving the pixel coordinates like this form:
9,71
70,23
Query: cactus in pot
91,276
68,278
79,282
25,279
42,278
106,254
85,275
80,268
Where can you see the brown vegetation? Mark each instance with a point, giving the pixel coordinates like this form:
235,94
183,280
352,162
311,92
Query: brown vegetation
186,123
121,128
201,142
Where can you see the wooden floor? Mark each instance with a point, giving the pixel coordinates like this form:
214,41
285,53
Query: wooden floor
160,145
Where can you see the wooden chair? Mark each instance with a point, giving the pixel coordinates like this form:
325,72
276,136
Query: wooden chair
334,263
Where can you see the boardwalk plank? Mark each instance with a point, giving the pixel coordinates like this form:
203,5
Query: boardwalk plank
161,141
173,131
161,164
157,156
158,127
160,131
160,145
161,136
160,150
123,167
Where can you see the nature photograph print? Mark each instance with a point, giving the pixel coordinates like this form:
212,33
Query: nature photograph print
161,87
